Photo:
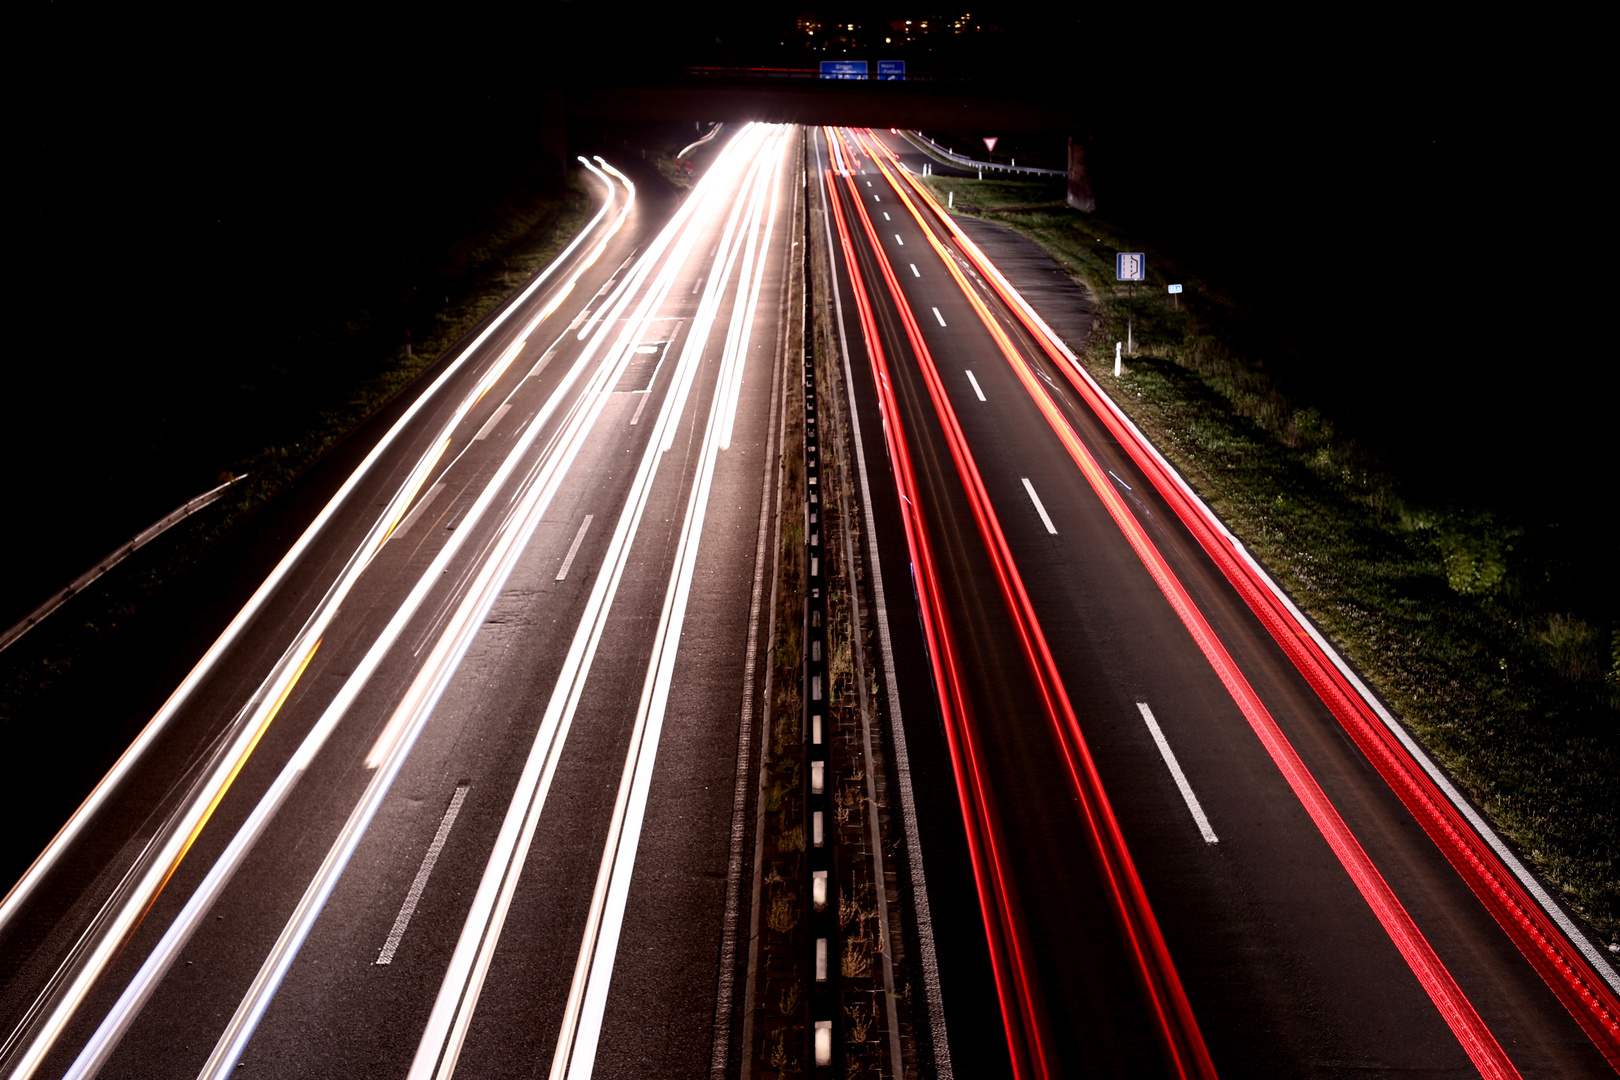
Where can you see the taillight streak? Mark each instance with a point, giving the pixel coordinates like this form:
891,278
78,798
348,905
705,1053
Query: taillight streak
1177,1028
1569,971
1454,1007
978,812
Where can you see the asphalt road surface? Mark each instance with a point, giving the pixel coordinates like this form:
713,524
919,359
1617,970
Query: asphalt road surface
455,793
1285,961
452,794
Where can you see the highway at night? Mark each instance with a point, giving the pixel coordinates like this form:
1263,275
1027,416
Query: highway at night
473,786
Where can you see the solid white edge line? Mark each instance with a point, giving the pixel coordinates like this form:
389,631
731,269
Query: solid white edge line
921,909
1175,771
975,383
1039,508
408,908
1482,828
573,549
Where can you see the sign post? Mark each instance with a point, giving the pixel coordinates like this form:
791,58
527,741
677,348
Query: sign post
1175,291
1130,267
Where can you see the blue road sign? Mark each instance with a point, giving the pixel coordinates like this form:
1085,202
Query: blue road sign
1130,266
1175,288
843,69
891,70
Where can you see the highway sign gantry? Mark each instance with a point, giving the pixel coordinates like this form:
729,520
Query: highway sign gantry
843,69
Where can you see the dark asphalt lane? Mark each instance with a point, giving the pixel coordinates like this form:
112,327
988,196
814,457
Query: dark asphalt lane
338,1011
1096,1016
242,936
1288,971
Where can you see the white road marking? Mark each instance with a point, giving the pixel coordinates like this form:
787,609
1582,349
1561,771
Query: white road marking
899,241
940,317
573,549
975,383
1120,482
407,909
914,272
1175,771
495,418
457,999
416,511
885,215
635,417
921,910
1039,509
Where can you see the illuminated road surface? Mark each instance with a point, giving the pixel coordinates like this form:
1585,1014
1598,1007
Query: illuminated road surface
452,797
389,825
1123,697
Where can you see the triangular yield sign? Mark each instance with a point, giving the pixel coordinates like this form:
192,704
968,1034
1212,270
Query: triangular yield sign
990,142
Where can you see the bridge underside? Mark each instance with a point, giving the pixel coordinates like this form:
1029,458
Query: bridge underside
857,104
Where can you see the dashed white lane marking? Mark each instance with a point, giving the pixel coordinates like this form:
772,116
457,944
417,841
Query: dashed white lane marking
1175,771
573,549
914,271
868,183
885,215
1039,509
416,512
940,317
899,241
407,909
975,383
489,425
635,417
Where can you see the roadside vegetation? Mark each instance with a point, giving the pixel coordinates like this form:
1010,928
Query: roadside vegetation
1470,620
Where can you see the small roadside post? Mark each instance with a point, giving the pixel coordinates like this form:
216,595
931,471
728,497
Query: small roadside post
1130,267
1118,345
1175,291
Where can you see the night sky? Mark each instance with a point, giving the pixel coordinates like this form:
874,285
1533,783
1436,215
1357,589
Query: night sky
1413,206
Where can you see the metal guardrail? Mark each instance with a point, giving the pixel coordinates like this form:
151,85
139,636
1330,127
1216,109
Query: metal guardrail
917,138
141,539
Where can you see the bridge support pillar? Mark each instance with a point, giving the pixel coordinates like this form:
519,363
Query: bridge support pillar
1080,196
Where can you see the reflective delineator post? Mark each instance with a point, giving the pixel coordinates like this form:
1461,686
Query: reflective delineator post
1119,347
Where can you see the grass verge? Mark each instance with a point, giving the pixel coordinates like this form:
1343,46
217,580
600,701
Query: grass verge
1448,609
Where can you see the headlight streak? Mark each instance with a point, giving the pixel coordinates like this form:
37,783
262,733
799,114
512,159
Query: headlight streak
47,859
446,1030
575,1055
742,331
409,717
117,1020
